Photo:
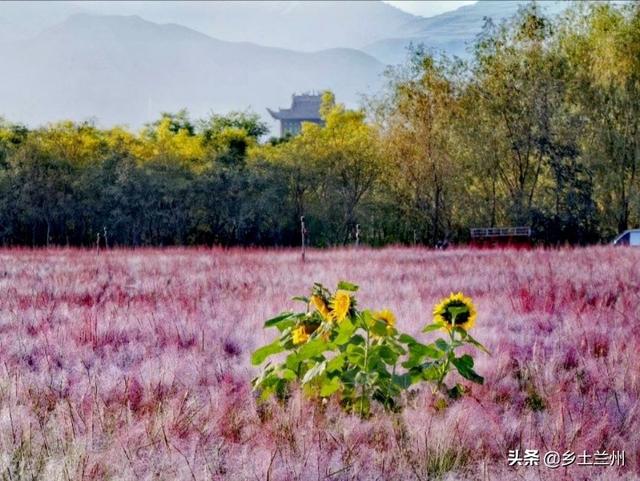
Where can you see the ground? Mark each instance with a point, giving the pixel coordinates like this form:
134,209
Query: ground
134,364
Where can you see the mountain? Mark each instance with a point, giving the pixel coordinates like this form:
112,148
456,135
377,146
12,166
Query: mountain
20,20
122,62
123,69
452,32
297,25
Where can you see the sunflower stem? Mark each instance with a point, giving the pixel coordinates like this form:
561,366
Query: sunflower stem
445,368
366,370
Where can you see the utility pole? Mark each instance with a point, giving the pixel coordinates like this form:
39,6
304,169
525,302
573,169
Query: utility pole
303,234
98,242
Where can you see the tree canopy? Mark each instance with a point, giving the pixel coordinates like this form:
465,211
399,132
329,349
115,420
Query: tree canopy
540,127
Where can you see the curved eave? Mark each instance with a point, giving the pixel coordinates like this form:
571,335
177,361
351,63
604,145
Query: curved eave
275,115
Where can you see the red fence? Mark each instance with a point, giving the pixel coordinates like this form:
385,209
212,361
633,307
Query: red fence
501,236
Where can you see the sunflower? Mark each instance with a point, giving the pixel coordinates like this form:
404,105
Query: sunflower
388,317
460,306
321,306
340,305
300,335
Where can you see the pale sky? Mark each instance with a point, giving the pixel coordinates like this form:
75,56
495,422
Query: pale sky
428,8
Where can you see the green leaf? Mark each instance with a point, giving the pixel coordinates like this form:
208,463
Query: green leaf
364,378
415,375
355,354
442,345
287,374
464,365
345,331
347,286
388,355
433,327
430,372
330,386
395,346
433,352
379,328
267,389
411,362
312,349
301,299
402,381
336,363
428,350
265,351
366,319
267,376
275,320
466,360
407,339
286,324
314,372
292,362
417,353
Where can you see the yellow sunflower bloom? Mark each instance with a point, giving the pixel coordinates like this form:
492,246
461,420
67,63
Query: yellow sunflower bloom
300,335
321,307
388,317
460,305
340,305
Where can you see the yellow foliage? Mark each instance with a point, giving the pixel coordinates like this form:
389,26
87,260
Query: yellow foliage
163,141
77,143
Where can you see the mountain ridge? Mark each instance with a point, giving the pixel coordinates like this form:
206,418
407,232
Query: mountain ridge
451,32
302,26
125,69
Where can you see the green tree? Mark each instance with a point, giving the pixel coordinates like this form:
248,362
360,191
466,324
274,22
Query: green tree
603,43
423,178
331,169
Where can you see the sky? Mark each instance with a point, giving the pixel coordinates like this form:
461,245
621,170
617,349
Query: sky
428,8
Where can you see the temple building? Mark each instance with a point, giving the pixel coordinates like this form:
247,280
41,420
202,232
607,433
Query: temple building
304,108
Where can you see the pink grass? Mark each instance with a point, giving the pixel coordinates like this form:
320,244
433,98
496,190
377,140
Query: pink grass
134,364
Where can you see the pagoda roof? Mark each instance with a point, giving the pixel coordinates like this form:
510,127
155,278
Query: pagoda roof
303,107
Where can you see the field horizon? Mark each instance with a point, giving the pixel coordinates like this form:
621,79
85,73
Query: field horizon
134,363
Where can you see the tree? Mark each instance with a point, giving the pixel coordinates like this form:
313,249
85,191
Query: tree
42,193
603,44
336,164
422,175
248,121
541,127
173,136
516,93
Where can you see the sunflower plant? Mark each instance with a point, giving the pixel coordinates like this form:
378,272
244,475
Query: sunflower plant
332,348
455,315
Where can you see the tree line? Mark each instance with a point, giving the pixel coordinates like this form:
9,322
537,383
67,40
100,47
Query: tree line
540,127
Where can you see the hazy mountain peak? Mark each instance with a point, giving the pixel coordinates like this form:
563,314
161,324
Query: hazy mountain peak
124,62
452,31
306,26
125,69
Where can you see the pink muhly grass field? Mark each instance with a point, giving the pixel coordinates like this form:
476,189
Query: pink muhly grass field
134,365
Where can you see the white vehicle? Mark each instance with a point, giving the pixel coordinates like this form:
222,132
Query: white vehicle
629,237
